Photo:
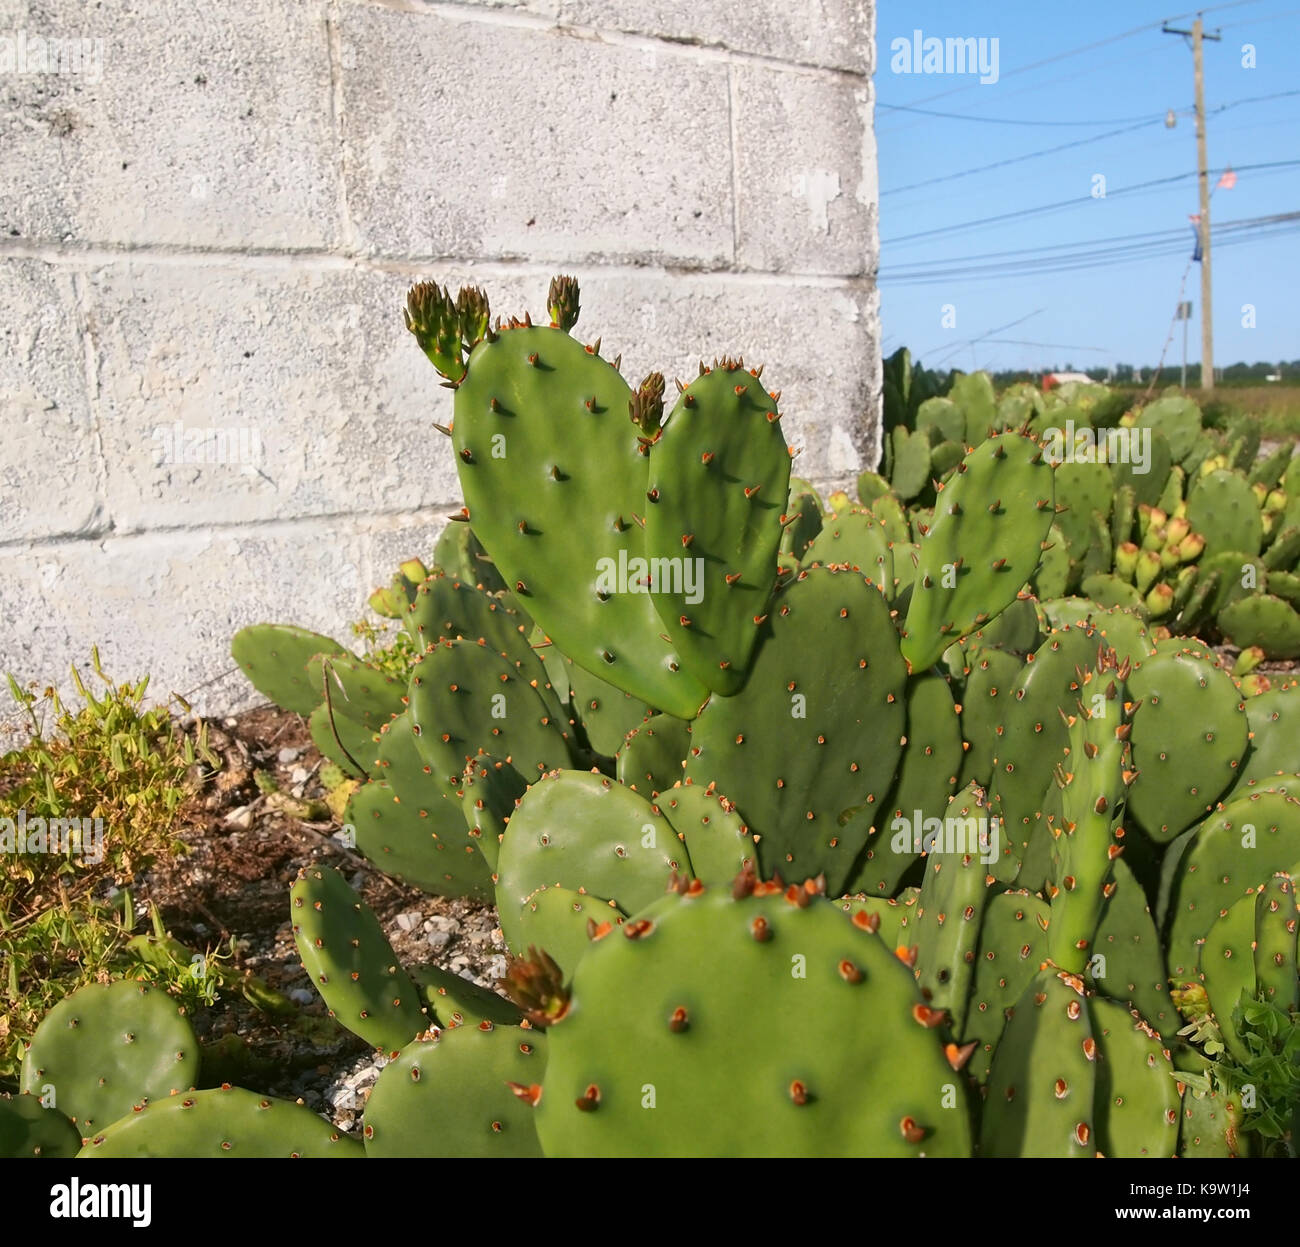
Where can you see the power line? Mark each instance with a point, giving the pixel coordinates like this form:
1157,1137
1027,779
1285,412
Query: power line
1050,151
1146,237
1015,160
1048,346
1022,213
1092,259
1008,121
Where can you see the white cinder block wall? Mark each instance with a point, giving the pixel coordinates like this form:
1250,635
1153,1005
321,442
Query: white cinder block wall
209,214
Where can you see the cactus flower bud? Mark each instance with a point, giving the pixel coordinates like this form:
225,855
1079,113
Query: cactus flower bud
562,302
1126,558
432,317
1160,600
1147,571
1191,547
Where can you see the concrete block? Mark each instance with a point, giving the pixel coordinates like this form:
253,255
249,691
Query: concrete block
806,173
180,122
51,474
810,337
581,150
838,34
167,604
323,402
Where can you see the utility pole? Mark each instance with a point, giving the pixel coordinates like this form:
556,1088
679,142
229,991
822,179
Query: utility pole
1198,36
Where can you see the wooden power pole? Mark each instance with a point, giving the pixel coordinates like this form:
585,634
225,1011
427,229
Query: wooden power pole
1198,36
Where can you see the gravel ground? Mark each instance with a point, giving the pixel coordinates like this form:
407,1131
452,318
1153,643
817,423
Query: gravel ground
245,852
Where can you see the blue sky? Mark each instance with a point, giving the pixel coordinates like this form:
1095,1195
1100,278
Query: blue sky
1126,81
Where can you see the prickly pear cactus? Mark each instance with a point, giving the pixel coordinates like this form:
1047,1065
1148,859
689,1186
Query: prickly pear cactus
27,1128
277,659
223,1122
990,522
810,748
450,1094
107,1048
555,479
719,480
350,963
644,1061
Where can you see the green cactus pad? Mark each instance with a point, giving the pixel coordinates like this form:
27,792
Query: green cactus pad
947,931
464,697
561,922
1134,963
454,1001
555,480
344,742
460,555
223,1122
1188,734
1082,490
1276,920
450,1096
803,511
362,693
29,1129
1222,508
580,829
275,659
107,1048
1274,721
1013,938
1179,419
719,483
978,554
654,754
717,840
654,1016
1030,737
608,714
1210,1125
1234,851
449,609
350,963
407,823
911,462
1055,572
1136,1095
489,791
1041,1086
1266,621
932,757
1111,591
810,747
1226,968
992,677
855,539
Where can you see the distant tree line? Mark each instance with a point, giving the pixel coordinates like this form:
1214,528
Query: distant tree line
1287,372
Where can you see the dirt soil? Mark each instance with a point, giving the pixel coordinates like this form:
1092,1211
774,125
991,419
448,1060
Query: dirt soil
245,852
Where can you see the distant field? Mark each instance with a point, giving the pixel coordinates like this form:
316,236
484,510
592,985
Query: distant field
1276,406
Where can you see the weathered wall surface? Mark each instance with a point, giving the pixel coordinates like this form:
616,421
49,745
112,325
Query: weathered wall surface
209,214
